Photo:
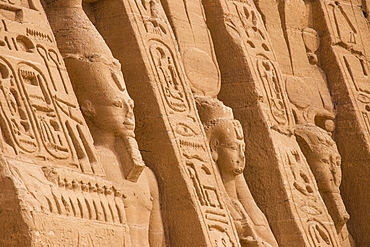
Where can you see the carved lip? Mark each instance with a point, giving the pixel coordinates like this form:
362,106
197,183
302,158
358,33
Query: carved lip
129,123
238,171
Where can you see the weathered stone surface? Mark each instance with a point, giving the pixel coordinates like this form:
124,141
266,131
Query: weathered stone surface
250,125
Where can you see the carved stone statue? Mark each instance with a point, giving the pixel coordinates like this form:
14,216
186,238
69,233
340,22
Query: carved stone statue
226,140
325,161
108,109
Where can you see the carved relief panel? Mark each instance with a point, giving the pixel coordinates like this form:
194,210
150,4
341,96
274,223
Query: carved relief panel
350,45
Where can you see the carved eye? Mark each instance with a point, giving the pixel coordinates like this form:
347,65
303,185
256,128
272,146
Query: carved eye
185,130
325,161
118,103
233,147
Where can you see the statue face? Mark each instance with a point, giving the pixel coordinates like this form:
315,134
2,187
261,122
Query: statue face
114,113
105,100
230,147
323,157
327,162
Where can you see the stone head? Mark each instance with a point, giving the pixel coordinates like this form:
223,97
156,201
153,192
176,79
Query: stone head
103,97
224,134
322,155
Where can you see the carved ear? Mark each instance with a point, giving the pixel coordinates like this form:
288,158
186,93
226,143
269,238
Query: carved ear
88,109
213,145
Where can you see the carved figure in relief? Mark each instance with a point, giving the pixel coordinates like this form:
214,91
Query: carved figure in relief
226,140
108,109
46,124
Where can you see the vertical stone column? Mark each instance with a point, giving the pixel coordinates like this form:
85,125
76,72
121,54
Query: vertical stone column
169,132
196,48
253,85
345,59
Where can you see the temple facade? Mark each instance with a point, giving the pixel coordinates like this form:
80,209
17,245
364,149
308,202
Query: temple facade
182,123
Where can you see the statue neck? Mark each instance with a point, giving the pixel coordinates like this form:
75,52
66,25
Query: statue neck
229,183
103,138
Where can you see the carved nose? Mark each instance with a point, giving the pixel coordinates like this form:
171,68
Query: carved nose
128,105
241,152
131,103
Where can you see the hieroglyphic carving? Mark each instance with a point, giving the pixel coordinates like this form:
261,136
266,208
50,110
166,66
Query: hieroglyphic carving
209,197
253,27
74,195
306,195
108,109
195,45
168,74
247,25
34,85
86,197
15,120
353,58
41,117
167,86
358,69
303,184
201,173
345,30
308,93
66,232
272,79
55,198
357,63
303,42
318,234
153,20
203,76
